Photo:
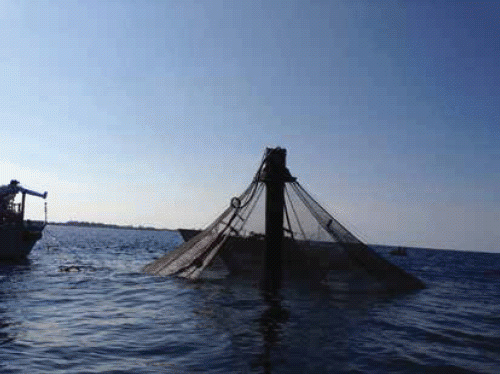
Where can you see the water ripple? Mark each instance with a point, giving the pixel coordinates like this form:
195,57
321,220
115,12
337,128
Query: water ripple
81,305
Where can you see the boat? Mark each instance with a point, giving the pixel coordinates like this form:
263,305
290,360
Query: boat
187,234
17,235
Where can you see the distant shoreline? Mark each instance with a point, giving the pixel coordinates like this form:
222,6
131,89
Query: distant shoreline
383,247
107,226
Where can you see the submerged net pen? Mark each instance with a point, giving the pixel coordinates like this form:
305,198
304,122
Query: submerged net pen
313,240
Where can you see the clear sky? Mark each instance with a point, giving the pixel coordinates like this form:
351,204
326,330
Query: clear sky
158,112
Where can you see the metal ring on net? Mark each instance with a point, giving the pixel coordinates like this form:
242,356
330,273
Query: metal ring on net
236,202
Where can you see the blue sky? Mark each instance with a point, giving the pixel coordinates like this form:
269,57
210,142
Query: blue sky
158,112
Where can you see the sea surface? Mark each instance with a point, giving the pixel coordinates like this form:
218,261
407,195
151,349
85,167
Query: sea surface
80,304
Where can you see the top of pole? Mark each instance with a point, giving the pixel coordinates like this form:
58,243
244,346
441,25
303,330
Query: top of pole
275,169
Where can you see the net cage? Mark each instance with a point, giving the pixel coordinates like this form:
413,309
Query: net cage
314,245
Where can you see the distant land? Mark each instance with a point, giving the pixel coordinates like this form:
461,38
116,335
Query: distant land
192,232
106,225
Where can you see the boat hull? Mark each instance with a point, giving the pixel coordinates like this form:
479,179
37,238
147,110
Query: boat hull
17,239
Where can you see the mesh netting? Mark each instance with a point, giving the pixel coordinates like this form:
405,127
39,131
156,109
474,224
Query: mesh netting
192,257
314,241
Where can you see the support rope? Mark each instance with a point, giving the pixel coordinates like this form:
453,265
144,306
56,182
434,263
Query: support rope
295,213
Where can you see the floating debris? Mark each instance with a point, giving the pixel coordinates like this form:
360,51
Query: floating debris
70,269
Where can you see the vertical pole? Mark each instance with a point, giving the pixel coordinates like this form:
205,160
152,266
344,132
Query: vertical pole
274,179
22,206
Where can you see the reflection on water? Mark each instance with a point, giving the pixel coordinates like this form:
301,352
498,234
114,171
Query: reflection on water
12,274
7,328
270,326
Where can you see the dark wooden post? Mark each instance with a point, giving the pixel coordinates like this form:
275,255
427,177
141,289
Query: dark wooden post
275,174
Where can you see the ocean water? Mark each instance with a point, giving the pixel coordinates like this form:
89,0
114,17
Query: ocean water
81,305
